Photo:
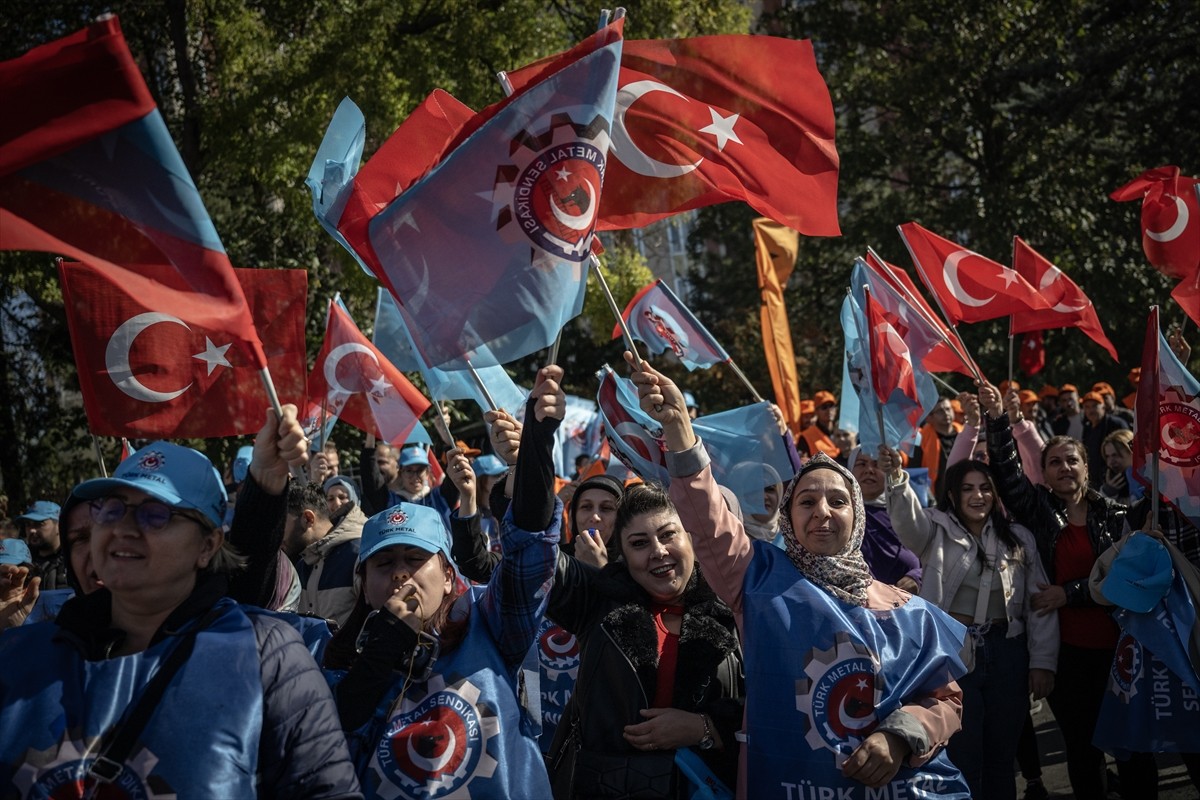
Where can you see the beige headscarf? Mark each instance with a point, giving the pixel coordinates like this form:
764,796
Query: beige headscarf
844,575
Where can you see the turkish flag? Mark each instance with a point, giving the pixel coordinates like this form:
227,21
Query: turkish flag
88,170
357,382
1070,307
891,360
969,287
718,118
1033,353
153,371
1170,219
943,357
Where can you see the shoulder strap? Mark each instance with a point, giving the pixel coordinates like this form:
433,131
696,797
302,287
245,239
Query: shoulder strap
111,759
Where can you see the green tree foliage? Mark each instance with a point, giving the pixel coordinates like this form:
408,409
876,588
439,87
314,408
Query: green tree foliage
247,88
981,121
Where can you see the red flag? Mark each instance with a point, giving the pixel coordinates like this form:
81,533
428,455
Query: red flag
943,357
891,360
718,118
1070,307
1033,353
126,449
1170,219
360,385
153,371
969,287
89,170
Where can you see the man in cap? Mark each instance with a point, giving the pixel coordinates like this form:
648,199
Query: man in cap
1109,394
693,408
1070,416
39,528
818,437
1097,424
324,548
395,474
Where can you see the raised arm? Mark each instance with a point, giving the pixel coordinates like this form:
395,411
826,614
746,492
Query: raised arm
516,596
721,544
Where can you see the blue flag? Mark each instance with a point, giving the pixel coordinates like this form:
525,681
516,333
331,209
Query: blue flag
659,319
394,341
739,442
488,253
860,406
1153,696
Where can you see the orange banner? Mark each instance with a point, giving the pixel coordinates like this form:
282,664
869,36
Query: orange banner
775,252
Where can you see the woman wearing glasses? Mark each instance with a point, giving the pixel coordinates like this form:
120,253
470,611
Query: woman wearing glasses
158,682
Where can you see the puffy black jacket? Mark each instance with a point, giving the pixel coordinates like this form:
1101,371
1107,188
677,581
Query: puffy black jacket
610,614
1039,510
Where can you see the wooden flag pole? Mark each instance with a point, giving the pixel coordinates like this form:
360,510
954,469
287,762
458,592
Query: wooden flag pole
616,311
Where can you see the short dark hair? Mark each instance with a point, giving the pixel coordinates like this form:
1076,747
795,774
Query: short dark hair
307,495
642,498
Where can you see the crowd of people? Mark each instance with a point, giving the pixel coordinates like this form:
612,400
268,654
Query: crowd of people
292,630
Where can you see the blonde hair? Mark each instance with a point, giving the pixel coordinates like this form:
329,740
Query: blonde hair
1122,440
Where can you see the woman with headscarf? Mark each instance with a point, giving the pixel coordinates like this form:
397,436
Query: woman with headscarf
983,570
157,682
865,670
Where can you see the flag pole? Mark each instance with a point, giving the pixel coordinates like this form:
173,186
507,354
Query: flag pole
637,359
1154,524
943,383
491,401
1011,319
324,419
1010,358
439,422
99,456
273,397
741,375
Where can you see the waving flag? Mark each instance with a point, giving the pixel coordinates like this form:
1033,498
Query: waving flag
1033,353
891,360
738,441
861,408
1069,306
577,435
1170,229
969,287
488,253
661,320
775,248
356,382
1168,423
718,118
879,273
88,170
394,341
148,371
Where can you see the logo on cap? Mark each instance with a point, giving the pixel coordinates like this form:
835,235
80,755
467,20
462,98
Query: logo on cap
152,460
397,517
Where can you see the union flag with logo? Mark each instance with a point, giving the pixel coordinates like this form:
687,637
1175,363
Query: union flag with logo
1168,424
153,371
658,318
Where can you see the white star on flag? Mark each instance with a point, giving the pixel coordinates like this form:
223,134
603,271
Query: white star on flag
379,386
722,128
213,356
1031,344
563,174
1008,276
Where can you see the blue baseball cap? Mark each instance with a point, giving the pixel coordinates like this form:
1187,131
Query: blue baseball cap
413,456
14,551
178,476
489,465
408,524
241,464
689,400
41,510
1140,575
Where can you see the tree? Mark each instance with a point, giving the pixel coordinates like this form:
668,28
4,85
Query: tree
982,121
247,89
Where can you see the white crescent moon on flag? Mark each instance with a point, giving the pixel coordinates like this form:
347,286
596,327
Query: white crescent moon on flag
950,274
551,643
116,357
623,147
577,222
895,341
433,765
1048,279
852,723
1173,232
335,357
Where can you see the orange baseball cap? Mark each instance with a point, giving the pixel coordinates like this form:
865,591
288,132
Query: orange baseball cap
1135,375
1006,385
1092,397
1026,396
1103,388
1048,391
1068,387
807,407
823,398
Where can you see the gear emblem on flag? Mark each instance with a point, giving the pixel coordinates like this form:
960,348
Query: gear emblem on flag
1179,428
558,652
1128,661
62,771
551,191
839,695
436,746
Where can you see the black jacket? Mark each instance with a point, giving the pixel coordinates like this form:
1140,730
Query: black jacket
610,614
1039,510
